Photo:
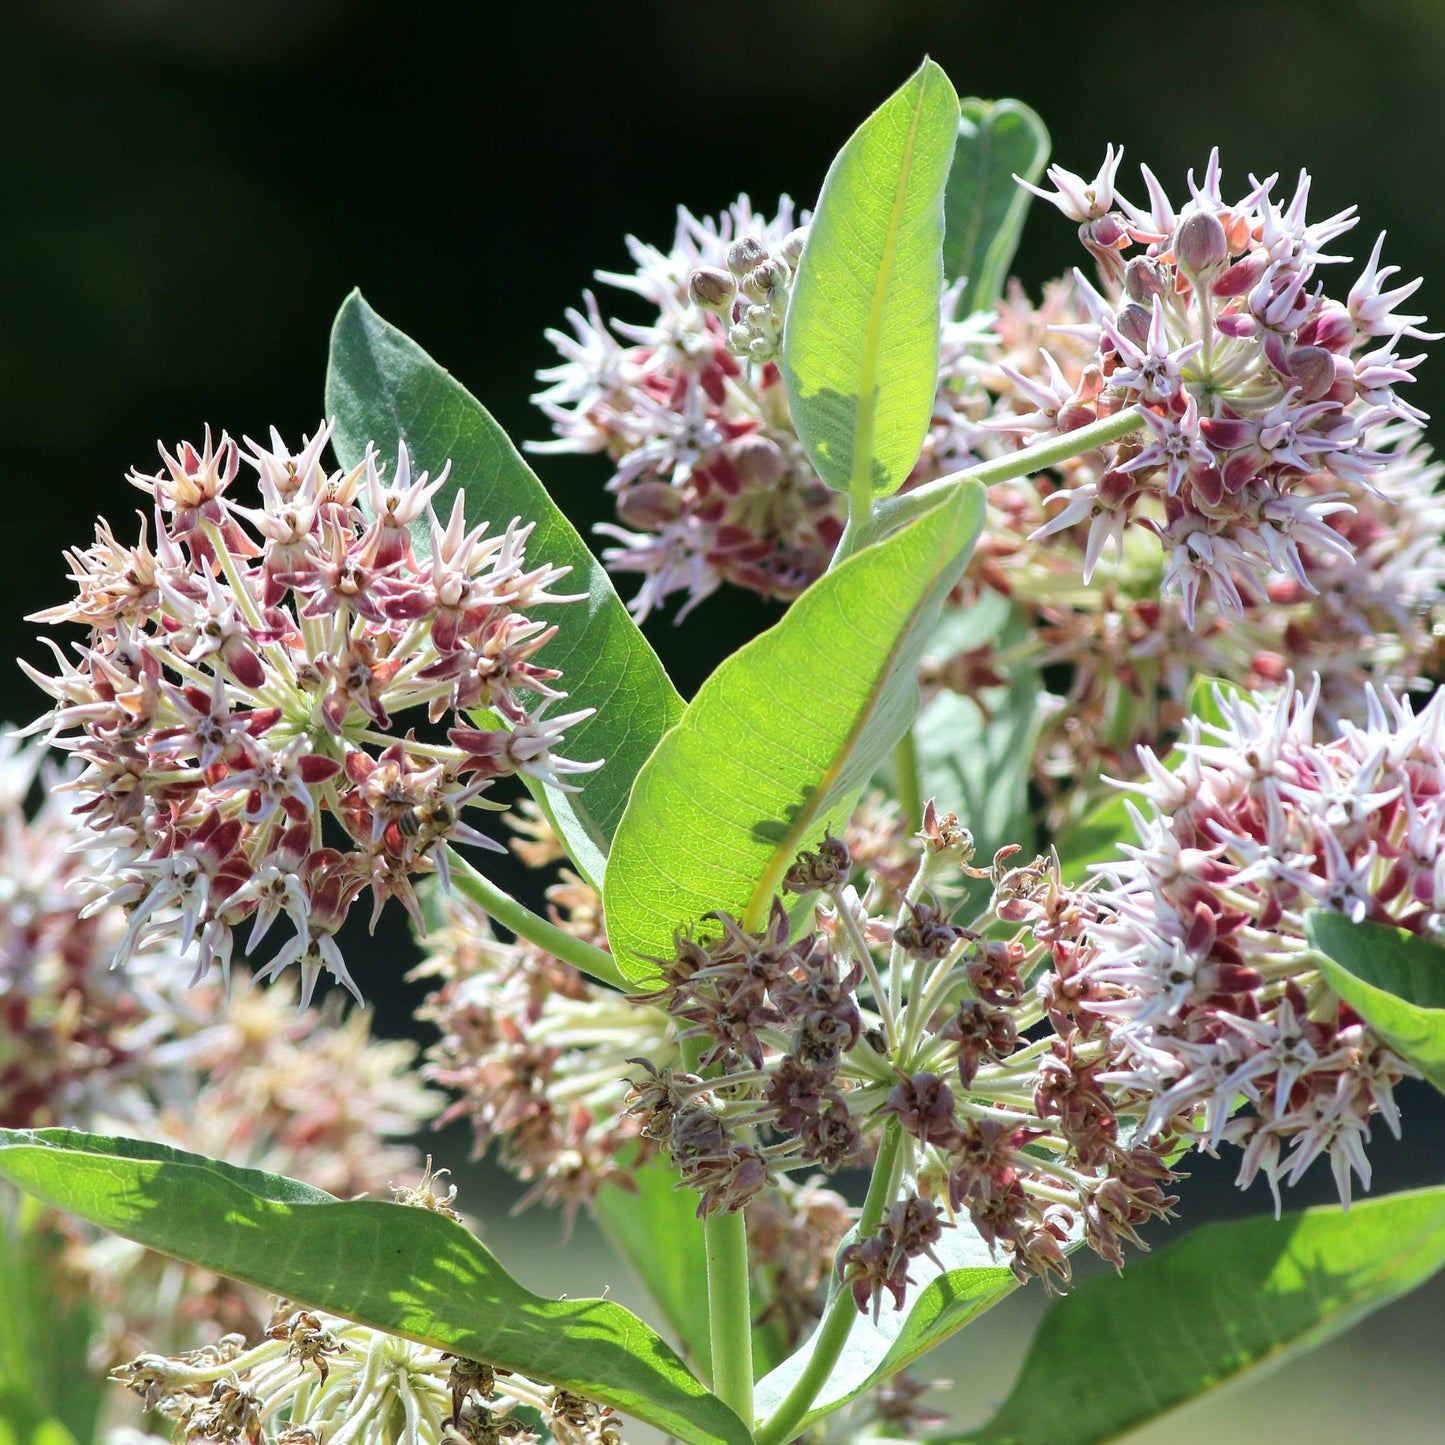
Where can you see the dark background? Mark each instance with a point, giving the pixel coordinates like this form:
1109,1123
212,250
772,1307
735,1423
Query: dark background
188,190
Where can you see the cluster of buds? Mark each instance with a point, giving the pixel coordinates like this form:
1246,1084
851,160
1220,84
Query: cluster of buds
239,699
916,1025
1262,394
1197,970
712,483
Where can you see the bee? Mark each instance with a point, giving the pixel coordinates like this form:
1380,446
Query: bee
427,822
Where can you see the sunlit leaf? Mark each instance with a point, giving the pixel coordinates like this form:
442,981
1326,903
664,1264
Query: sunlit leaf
1226,1301
1393,979
411,1272
860,350
779,741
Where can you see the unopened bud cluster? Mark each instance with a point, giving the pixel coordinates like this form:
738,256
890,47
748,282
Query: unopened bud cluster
751,293
240,702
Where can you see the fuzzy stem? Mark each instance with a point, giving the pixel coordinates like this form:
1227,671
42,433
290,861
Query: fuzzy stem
729,1311
589,959
781,1426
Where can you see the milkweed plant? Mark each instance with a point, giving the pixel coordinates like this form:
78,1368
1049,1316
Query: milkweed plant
1082,812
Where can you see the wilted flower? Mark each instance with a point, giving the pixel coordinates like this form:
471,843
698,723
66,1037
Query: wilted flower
240,700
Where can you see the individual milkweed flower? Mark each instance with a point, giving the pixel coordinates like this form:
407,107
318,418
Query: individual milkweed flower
246,703
1266,400
712,483
1196,969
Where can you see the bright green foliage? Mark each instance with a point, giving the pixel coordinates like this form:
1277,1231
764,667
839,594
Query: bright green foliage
780,740
382,387
411,1272
940,1303
975,753
860,351
1226,1300
49,1391
1393,979
659,1233
984,207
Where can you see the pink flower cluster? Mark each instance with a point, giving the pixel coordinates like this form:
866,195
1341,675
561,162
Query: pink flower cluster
1252,380
238,701
1197,970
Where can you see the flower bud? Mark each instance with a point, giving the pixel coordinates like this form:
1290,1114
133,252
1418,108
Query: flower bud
764,279
757,461
1134,324
1200,243
1313,371
1143,279
712,289
745,253
792,247
649,505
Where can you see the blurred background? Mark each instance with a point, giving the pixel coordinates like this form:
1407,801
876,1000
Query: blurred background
188,190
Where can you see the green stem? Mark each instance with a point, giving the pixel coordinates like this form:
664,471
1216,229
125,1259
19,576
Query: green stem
729,1312
833,1333
593,961
908,781
892,513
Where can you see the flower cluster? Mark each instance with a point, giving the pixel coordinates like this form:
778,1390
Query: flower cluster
712,483
917,1029
239,699
1197,968
1252,381
311,1377
132,1051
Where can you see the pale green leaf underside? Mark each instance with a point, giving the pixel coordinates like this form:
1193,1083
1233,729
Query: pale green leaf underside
382,387
1394,980
411,1272
1226,1301
860,350
781,738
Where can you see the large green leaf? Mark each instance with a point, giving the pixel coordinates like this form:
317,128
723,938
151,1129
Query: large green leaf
658,1231
411,1272
781,738
1394,980
984,207
382,387
1225,1301
939,1303
860,349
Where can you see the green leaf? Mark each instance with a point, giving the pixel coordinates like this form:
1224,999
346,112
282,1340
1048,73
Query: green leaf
984,206
940,1303
975,754
1225,1301
1393,979
410,1272
781,738
382,387
659,1233
860,348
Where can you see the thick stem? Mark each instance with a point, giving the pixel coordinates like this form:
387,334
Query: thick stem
837,1325
730,1312
892,513
586,957
908,782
